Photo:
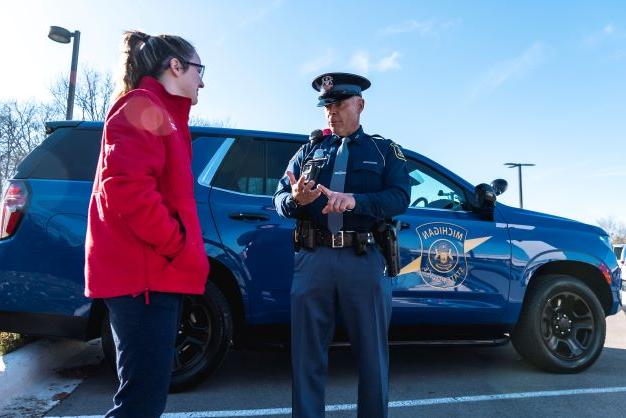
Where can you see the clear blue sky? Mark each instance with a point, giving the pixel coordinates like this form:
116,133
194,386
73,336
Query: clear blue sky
471,85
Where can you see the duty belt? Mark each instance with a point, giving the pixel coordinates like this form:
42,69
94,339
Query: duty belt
342,238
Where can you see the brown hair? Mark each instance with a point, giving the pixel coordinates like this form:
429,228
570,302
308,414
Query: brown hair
150,55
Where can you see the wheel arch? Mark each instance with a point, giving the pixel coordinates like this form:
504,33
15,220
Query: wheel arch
585,272
224,279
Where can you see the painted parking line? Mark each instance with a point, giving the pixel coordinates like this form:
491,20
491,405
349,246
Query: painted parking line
394,404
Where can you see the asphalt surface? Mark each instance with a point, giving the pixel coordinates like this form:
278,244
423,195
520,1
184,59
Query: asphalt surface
435,382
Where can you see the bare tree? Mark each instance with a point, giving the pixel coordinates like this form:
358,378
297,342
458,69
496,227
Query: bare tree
58,92
215,123
615,229
22,124
94,91
94,94
21,130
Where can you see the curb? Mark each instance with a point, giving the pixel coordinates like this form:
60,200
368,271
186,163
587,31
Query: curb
37,376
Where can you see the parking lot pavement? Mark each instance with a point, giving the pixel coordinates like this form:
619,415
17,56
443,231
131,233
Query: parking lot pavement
37,376
433,382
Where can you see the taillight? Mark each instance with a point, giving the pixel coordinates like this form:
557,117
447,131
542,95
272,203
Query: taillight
13,205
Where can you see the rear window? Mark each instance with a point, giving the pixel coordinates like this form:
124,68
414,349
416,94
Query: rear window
72,154
67,154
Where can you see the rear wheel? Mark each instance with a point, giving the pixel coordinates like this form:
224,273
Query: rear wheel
204,337
562,326
203,340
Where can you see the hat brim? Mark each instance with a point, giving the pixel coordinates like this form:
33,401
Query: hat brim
335,98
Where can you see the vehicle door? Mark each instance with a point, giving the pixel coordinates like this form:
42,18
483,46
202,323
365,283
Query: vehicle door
249,227
456,266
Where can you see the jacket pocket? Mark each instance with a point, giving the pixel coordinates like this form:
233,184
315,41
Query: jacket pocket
155,264
367,176
192,258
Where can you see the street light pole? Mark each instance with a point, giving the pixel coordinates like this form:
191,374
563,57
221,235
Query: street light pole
519,173
64,36
73,72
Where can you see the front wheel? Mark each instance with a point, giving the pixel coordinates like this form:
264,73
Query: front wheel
203,340
562,326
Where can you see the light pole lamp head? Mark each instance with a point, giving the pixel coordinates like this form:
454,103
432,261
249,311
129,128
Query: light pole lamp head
511,165
59,34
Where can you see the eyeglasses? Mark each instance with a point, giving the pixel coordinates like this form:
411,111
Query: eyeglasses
200,67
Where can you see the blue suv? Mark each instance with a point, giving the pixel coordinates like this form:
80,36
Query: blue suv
474,271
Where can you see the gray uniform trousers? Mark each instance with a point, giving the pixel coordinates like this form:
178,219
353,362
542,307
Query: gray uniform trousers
328,281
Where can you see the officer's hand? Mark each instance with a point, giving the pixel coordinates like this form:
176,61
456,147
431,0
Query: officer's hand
337,202
302,192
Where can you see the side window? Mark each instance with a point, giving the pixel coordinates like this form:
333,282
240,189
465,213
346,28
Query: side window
431,190
254,166
203,148
278,155
243,168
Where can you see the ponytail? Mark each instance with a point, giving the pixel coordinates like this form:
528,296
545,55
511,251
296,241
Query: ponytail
150,55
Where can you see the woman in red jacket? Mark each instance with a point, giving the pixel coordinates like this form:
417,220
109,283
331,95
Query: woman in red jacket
144,247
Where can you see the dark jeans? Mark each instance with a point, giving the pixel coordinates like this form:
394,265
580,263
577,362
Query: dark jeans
144,336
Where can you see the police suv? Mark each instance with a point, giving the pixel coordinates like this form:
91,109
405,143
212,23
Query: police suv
473,271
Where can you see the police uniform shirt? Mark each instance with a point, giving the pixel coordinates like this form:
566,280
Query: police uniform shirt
377,175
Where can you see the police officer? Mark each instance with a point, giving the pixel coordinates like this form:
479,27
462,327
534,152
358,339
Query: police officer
339,268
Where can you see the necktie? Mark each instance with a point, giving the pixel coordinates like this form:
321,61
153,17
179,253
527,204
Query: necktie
337,183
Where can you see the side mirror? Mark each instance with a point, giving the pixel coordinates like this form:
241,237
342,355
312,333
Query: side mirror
484,201
499,186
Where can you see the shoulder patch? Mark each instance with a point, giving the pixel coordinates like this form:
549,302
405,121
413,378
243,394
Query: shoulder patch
397,151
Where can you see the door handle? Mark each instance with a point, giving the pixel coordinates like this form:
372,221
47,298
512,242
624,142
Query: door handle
247,216
404,225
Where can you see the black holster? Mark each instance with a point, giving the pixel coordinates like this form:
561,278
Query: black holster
386,236
360,246
303,236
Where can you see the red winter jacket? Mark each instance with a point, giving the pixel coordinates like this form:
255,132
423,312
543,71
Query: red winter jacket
143,232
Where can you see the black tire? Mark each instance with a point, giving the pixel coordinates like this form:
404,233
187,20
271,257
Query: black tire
562,325
203,341
204,338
